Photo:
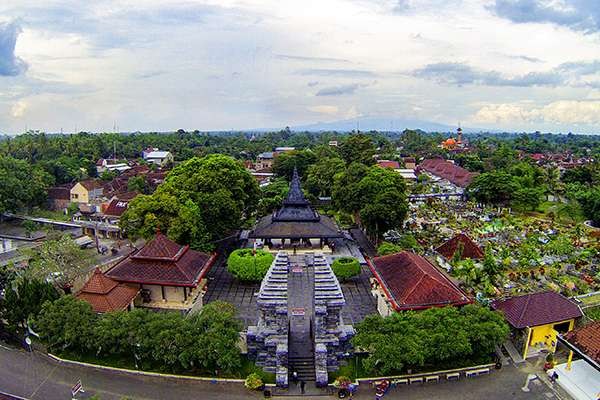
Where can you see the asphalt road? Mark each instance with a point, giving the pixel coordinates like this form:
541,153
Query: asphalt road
35,376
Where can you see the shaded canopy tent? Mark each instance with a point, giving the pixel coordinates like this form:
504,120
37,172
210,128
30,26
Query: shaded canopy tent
296,221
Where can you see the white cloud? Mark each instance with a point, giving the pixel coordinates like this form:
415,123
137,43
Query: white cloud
562,112
324,109
18,109
223,64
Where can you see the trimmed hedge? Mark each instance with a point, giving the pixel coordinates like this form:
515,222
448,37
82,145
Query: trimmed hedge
248,267
345,268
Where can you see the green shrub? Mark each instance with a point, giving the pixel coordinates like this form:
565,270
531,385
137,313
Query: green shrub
345,268
254,381
387,248
246,266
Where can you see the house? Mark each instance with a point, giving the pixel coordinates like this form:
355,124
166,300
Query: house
86,191
265,160
388,164
160,158
59,197
580,378
117,206
463,244
170,276
284,149
333,143
536,320
409,162
448,172
406,173
104,165
407,281
105,294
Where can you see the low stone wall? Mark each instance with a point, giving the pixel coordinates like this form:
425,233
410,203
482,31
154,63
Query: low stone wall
450,374
145,373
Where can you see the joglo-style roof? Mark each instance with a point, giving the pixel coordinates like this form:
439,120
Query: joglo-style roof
295,219
411,282
163,262
468,248
105,294
537,309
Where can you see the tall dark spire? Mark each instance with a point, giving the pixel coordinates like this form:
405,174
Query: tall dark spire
295,195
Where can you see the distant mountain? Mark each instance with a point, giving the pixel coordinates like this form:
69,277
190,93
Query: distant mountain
381,124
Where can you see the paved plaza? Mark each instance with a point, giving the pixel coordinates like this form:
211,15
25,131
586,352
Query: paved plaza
223,286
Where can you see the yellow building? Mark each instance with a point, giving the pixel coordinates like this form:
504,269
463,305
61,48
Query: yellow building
536,320
86,191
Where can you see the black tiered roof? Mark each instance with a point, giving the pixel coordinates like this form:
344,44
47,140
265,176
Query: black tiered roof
296,219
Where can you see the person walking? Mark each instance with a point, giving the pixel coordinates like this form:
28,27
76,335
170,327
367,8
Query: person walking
302,385
295,378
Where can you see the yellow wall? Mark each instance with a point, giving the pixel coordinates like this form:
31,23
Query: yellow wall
81,192
546,334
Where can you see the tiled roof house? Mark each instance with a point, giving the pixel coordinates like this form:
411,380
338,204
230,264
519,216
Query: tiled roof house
411,282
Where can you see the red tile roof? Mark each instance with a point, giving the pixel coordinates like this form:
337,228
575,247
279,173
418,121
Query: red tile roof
388,164
105,294
586,339
91,184
537,309
116,207
163,262
411,282
449,171
469,248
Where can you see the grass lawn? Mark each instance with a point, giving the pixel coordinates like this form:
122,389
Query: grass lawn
592,313
56,215
590,299
246,369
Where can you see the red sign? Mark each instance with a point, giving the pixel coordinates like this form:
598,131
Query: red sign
298,311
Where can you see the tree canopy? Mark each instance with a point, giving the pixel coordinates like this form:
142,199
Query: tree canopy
23,185
358,148
447,337
203,342
376,196
201,200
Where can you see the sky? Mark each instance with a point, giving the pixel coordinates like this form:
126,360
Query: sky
153,65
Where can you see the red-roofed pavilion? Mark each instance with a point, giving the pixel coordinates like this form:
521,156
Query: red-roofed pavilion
407,281
169,275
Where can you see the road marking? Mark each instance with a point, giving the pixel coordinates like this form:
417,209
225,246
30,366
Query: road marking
44,381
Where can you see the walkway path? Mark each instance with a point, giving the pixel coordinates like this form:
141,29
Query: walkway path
300,312
36,377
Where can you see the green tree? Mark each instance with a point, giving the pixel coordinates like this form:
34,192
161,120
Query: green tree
284,163
209,196
375,196
320,179
493,187
66,323
23,186
24,300
358,148
446,337
58,261
387,248
271,196
138,184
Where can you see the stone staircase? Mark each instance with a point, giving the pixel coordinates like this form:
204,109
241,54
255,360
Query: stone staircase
304,366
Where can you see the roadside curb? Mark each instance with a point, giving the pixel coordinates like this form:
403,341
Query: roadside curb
144,373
